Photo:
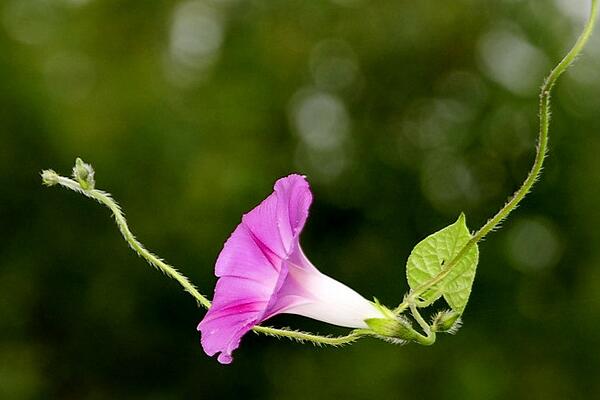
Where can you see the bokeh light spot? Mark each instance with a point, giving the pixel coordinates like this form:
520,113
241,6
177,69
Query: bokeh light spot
513,62
196,36
534,244
333,64
321,120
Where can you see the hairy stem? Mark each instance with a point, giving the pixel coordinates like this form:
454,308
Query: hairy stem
52,178
535,171
310,337
429,337
152,259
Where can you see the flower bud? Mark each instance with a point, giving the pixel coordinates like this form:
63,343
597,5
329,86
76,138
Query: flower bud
446,321
84,174
49,177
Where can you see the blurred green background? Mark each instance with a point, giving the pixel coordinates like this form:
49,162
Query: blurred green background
401,113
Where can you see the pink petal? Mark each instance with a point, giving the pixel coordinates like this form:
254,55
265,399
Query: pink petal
223,332
278,220
251,266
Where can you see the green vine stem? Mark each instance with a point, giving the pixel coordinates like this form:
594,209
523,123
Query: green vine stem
318,340
429,337
51,178
534,173
84,184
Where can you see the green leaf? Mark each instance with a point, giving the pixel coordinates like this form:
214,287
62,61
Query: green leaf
433,254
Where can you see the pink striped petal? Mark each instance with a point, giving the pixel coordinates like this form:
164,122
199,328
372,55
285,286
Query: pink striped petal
251,267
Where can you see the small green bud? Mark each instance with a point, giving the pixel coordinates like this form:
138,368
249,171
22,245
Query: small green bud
49,177
84,174
446,321
398,328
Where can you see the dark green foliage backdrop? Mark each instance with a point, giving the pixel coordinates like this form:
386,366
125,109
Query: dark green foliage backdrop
401,113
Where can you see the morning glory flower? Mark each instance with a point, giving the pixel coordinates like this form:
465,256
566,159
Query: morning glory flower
263,271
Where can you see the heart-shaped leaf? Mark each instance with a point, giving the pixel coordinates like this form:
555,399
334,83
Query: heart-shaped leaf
436,252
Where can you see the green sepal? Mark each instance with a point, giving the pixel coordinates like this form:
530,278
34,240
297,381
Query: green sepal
399,328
